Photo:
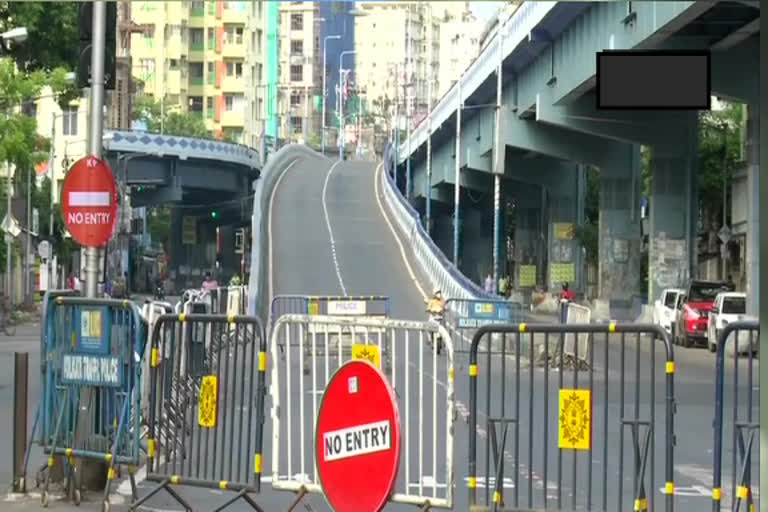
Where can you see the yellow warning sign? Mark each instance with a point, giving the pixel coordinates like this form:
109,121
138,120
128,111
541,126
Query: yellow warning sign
314,308
575,420
208,402
368,352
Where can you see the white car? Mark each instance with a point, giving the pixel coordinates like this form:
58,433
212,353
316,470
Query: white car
729,307
665,309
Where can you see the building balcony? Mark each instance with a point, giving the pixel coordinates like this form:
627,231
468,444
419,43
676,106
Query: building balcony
233,51
196,80
197,12
173,82
235,118
232,84
234,15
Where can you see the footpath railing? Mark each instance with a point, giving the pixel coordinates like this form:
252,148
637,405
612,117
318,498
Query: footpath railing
90,408
206,410
740,338
315,347
508,404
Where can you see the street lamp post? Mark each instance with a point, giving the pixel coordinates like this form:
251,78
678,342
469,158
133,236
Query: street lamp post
325,91
341,101
15,35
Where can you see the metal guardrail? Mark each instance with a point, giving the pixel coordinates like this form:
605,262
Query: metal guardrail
207,395
581,404
440,271
414,374
372,305
744,419
93,348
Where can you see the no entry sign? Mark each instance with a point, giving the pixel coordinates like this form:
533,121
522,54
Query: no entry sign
89,202
357,439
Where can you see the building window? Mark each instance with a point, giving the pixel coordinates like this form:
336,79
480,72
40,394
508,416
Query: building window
297,21
233,35
69,121
174,64
297,124
297,47
297,73
234,102
196,38
235,69
295,99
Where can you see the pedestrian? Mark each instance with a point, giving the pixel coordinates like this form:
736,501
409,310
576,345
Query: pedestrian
488,284
504,286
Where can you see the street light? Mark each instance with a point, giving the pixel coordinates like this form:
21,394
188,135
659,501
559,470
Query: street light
325,92
15,35
341,101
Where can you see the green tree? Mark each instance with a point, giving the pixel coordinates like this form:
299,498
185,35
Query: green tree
187,124
720,140
53,35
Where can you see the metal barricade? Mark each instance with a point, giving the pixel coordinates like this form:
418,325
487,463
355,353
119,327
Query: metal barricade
91,400
206,409
744,426
554,414
373,305
464,316
421,378
577,315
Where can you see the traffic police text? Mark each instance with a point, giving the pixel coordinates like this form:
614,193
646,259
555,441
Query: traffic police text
91,370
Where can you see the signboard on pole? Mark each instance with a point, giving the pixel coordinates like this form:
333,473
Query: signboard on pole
357,439
89,202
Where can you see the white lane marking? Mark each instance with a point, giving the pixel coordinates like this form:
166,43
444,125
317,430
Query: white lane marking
270,281
394,233
330,231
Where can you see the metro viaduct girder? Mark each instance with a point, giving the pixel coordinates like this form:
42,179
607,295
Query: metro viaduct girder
162,180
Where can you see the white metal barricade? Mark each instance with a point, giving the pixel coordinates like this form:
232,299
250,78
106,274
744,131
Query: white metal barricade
577,315
422,379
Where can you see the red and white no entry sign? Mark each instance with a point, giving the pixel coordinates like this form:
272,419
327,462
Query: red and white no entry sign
357,439
89,202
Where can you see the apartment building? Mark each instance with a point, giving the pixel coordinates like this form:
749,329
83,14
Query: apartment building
206,58
305,29
409,46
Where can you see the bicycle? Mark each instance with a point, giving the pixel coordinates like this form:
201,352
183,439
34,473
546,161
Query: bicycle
6,321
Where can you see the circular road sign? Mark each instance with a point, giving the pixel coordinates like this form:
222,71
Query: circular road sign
89,201
357,439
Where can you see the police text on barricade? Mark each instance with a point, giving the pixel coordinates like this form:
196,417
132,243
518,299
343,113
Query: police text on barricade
91,370
358,440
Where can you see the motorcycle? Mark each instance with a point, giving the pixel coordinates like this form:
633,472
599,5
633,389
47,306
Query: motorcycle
159,292
438,319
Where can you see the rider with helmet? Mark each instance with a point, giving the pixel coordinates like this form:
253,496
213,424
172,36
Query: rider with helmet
436,304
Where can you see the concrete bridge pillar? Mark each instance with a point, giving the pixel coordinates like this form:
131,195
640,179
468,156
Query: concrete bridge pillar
753,209
673,213
528,245
619,228
476,243
178,256
565,211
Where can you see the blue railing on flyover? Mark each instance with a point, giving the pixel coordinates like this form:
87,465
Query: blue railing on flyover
441,272
516,30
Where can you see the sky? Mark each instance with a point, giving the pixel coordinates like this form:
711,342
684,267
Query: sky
484,10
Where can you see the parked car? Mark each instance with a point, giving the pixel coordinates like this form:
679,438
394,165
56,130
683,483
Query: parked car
729,307
693,317
665,308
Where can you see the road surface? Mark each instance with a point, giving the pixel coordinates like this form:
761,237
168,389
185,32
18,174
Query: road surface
363,258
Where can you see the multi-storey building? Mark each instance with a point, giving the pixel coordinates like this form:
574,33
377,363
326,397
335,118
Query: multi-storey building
202,57
411,48
305,30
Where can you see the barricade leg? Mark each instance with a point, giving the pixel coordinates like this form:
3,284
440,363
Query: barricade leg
44,495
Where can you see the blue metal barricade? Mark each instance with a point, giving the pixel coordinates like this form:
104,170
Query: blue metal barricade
464,316
739,339
91,388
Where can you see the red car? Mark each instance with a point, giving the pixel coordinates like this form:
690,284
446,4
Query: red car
693,319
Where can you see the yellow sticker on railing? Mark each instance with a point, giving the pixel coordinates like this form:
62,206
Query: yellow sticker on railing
313,308
208,402
368,352
575,421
